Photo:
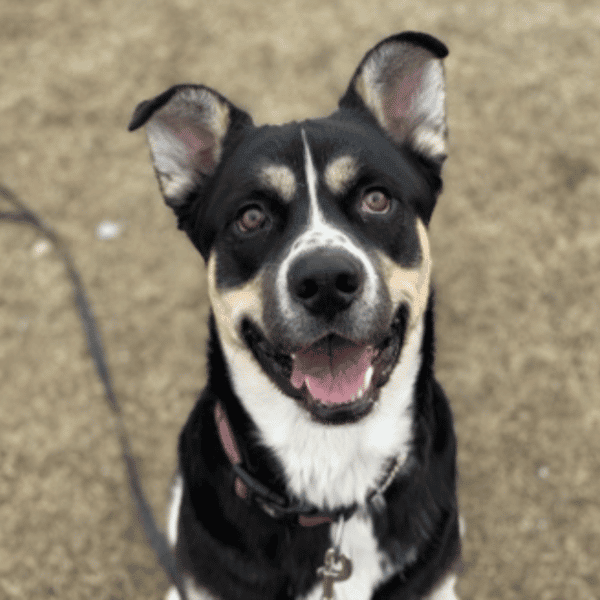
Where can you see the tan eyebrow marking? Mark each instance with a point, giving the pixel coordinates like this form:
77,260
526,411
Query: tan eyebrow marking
340,173
279,178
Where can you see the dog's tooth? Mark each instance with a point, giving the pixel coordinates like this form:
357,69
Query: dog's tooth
367,381
307,383
368,377
365,386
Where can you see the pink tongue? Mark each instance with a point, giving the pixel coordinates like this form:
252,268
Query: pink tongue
332,375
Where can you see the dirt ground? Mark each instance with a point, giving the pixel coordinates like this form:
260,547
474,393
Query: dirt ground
516,243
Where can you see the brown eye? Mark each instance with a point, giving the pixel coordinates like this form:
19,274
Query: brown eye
375,201
251,220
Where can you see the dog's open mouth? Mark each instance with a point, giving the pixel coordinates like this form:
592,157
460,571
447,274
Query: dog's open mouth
336,379
334,370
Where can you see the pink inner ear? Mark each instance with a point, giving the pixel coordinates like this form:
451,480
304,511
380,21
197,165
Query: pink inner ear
398,104
199,144
193,141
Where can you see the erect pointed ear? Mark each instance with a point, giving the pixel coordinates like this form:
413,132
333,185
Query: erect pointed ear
187,127
401,83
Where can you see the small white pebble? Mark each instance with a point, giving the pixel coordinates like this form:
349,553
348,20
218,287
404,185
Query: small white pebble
108,230
543,472
22,324
40,248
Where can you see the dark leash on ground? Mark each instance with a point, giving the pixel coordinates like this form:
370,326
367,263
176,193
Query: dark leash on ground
156,538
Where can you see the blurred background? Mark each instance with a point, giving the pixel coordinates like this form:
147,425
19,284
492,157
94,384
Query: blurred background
516,246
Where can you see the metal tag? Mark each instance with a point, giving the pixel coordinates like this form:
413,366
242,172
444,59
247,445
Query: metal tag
337,567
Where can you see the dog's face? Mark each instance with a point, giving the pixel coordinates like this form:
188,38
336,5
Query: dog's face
314,232
320,259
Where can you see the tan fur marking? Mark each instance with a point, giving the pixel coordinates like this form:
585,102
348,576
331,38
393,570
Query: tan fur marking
231,306
340,173
410,285
281,179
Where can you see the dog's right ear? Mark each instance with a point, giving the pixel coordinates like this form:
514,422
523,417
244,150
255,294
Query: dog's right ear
187,128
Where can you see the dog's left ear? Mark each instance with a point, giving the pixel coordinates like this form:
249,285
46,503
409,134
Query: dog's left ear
401,83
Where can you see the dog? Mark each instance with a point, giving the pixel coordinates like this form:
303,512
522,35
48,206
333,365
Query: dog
320,459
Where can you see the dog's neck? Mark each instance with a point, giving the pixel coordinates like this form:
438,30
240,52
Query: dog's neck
314,468
250,489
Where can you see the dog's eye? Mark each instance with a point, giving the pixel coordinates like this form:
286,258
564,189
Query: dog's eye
375,201
252,219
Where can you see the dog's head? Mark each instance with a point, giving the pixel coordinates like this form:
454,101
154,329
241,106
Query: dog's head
315,233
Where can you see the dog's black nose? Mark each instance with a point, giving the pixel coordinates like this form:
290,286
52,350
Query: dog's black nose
326,281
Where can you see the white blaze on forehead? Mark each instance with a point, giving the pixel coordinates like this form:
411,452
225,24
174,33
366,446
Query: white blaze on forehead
311,181
340,173
232,305
281,179
410,285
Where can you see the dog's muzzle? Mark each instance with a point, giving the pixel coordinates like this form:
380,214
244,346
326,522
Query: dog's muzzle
338,348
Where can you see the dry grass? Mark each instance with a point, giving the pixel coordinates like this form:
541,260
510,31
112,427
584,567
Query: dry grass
516,239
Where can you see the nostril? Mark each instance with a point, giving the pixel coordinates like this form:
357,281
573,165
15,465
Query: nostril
307,289
347,282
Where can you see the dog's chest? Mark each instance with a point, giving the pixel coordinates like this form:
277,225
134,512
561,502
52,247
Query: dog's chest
370,566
